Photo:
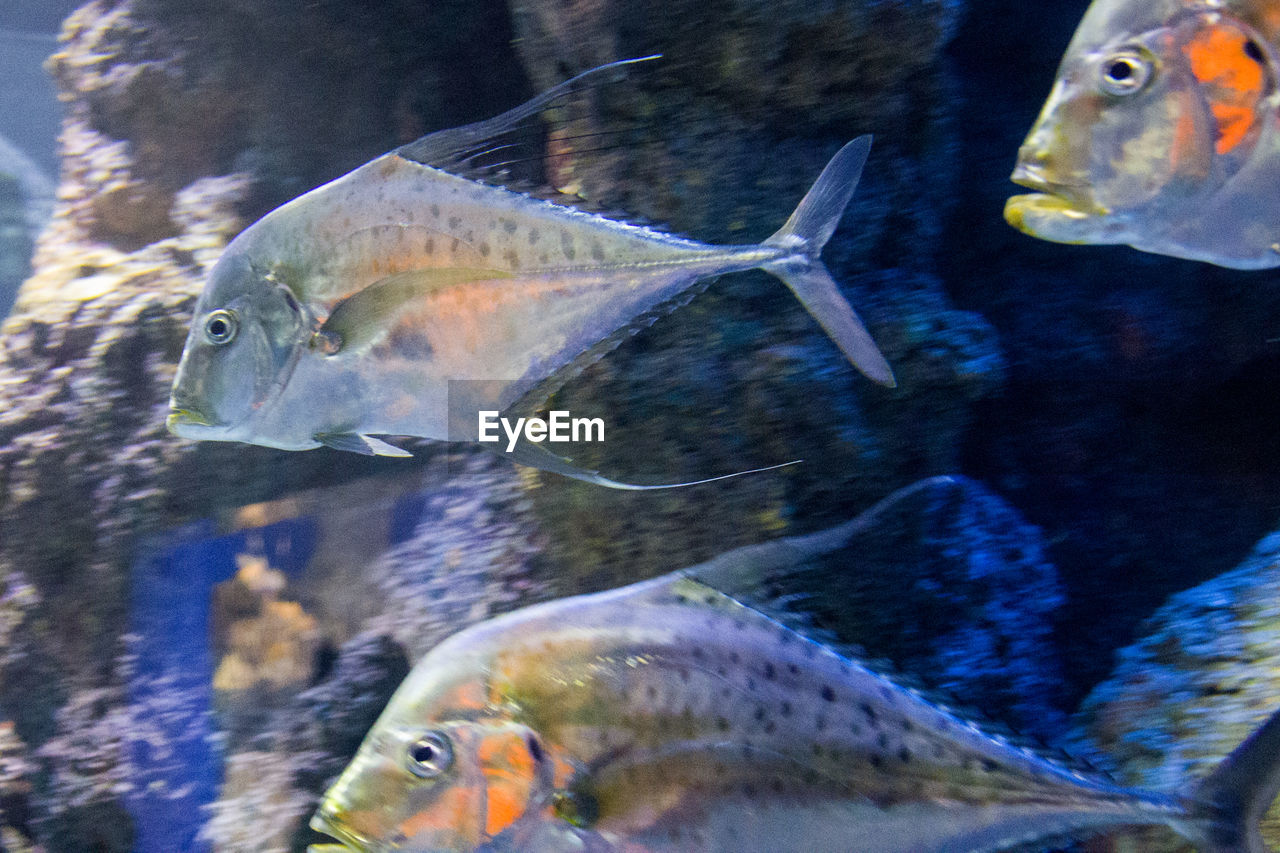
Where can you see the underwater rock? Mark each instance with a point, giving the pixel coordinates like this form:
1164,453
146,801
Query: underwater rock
15,791
952,586
1204,673
269,792
466,553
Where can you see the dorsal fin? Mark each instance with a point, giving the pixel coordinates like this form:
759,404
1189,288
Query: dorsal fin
485,150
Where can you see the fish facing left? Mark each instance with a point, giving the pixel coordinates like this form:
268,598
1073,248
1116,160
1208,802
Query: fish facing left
665,717
1162,132
345,313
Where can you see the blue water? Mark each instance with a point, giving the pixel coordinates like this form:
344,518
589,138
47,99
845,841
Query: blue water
175,754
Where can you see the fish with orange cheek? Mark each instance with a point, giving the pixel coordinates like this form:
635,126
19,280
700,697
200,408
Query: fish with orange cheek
1161,133
666,717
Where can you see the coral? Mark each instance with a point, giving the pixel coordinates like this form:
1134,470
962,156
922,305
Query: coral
263,641
952,586
1204,673
269,793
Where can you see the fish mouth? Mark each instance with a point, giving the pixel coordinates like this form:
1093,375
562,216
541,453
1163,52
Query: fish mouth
347,839
1057,211
1048,193
180,420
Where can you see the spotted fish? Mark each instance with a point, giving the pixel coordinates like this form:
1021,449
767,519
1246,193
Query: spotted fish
666,716
347,313
1162,132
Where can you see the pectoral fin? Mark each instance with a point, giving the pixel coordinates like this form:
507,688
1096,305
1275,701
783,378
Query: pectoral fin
537,456
365,445
364,317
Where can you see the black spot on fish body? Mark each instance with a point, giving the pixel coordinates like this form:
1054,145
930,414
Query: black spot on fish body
769,672
820,723
454,223
827,693
882,740
785,708
904,755
760,713
512,259
435,211
722,724
651,692
870,712
793,669
484,249
876,761
566,245
597,251
989,766
509,225
533,236
429,246
735,658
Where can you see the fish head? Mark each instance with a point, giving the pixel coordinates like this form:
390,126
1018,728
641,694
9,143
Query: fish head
441,787
245,339
1158,109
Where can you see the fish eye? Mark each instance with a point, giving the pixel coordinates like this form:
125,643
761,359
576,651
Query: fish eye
430,755
1125,72
220,327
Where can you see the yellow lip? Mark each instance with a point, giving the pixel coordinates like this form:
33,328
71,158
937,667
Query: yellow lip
348,840
185,417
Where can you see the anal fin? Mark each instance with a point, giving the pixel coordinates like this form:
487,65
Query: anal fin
365,445
538,456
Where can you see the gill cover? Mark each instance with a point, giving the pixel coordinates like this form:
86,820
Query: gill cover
243,344
402,792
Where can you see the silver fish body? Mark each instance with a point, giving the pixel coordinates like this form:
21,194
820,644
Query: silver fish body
347,312
667,717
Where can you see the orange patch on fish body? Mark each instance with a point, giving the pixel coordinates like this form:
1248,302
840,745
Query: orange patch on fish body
1220,57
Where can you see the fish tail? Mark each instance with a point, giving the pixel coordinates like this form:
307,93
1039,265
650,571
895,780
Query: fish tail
1231,802
804,234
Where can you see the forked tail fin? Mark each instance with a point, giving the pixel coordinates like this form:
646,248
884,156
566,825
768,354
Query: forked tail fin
1238,793
804,234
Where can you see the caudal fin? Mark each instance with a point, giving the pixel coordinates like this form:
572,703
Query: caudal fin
1238,793
805,233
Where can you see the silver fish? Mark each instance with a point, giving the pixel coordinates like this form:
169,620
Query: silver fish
1162,132
666,716
346,313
